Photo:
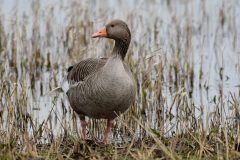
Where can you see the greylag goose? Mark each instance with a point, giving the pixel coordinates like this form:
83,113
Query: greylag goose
102,88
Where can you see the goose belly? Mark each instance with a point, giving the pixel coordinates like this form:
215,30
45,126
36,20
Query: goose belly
105,99
112,100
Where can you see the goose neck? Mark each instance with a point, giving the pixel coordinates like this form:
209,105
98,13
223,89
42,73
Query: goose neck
120,48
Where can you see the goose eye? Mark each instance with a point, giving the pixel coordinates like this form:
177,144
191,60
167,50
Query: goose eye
112,25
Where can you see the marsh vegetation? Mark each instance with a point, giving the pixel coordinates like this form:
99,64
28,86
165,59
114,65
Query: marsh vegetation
185,56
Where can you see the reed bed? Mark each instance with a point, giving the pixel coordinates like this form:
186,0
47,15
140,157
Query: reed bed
185,59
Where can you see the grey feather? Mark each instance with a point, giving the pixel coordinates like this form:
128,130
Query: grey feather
84,68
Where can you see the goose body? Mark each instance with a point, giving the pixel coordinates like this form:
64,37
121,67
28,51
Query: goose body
105,93
105,87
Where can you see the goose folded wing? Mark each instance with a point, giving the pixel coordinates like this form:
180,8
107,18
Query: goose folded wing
84,68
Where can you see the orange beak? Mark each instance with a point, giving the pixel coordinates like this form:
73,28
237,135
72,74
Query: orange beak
101,33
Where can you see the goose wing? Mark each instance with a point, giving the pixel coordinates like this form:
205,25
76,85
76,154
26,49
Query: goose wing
78,72
84,68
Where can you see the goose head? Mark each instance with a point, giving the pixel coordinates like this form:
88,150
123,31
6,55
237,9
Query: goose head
116,29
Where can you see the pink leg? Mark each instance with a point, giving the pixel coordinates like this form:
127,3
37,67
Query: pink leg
109,125
83,125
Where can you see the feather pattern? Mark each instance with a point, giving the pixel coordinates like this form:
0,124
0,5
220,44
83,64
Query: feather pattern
80,71
84,68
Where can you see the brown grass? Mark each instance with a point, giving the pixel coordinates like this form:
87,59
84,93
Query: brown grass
183,109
